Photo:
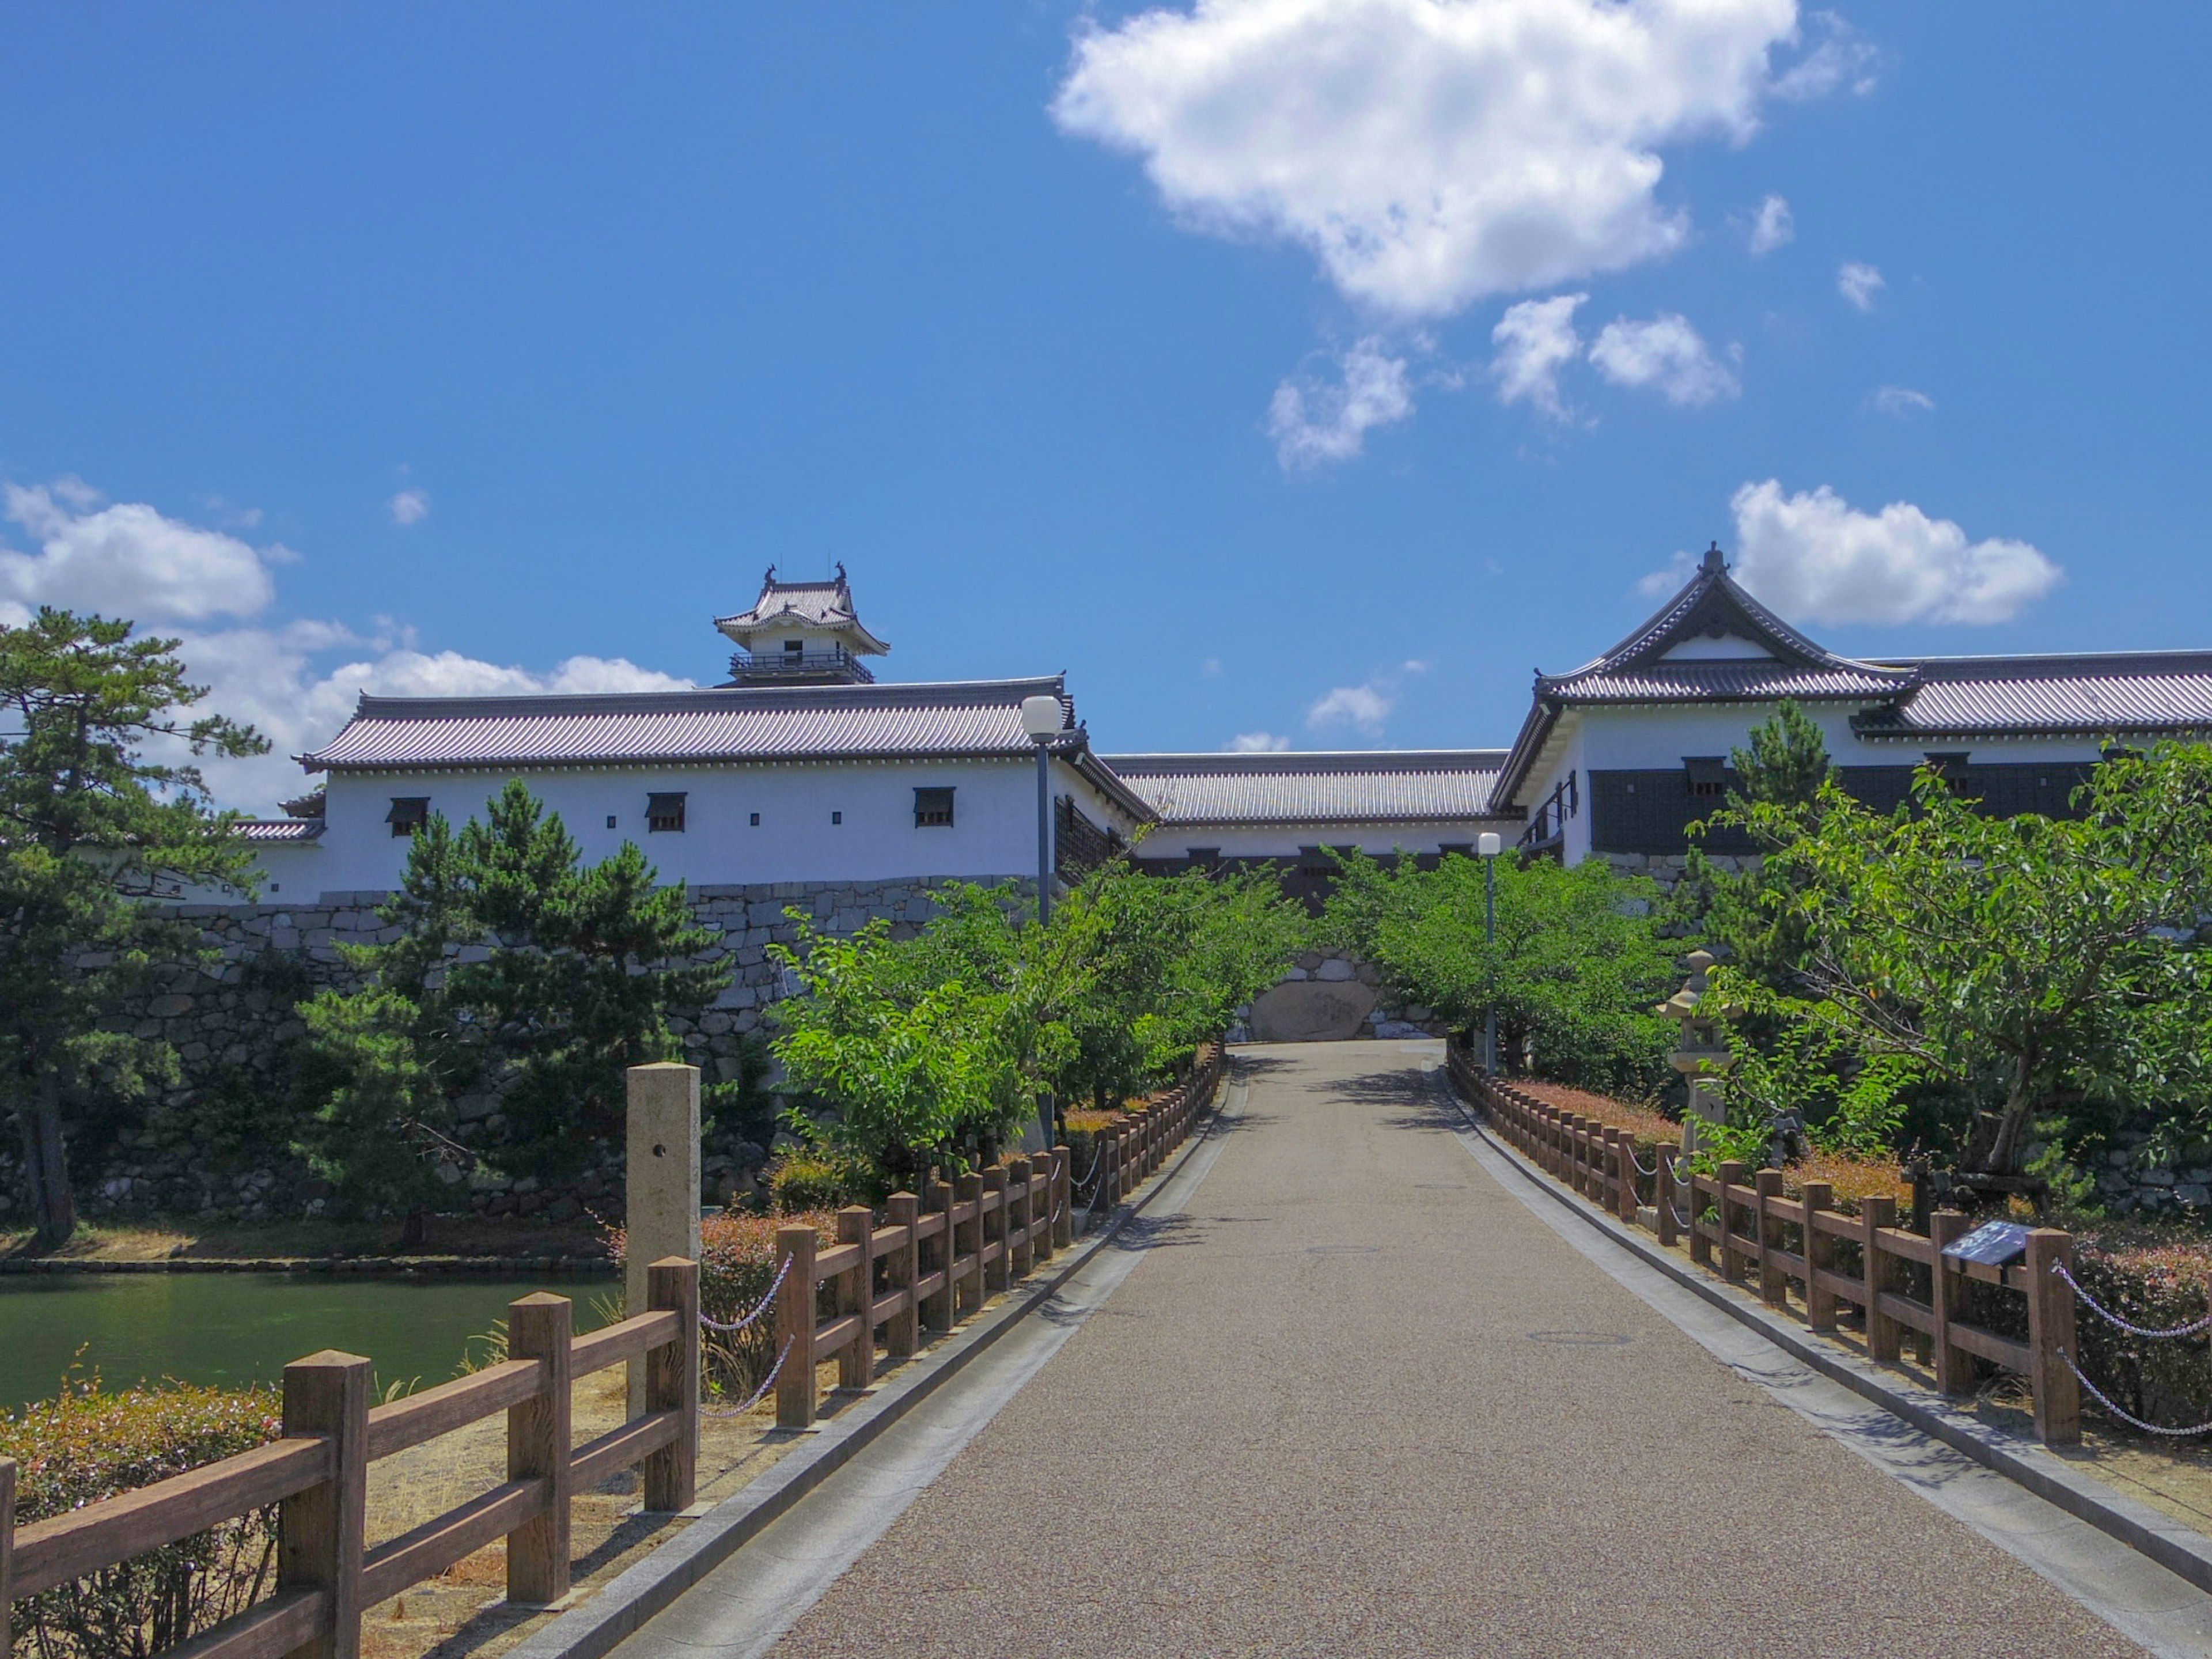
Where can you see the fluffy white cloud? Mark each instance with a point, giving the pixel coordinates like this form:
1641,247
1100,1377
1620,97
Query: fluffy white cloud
1815,558
1432,152
410,506
1840,59
1256,743
1363,707
1771,226
1313,423
1902,401
1665,354
126,560
129,560
1859,283
1536,339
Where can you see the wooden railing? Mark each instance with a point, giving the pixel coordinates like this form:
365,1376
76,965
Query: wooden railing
943,1253
327,1575
1745,1230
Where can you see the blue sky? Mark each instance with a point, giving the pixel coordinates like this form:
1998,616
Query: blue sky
445,347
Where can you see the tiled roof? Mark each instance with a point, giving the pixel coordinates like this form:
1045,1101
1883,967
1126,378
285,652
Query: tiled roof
2114,694
1360,787
1728,680
957,718
826,604
263,832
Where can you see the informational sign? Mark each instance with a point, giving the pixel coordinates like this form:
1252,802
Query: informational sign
1993,1244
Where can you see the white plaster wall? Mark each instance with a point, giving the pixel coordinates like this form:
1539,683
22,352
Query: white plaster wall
1626,739
994,833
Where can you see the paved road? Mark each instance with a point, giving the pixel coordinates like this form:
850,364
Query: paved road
1361,1401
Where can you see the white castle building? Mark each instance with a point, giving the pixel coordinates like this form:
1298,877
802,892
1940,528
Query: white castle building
805,771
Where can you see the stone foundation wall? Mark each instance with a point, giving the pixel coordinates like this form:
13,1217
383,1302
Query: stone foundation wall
214,1144
1329,995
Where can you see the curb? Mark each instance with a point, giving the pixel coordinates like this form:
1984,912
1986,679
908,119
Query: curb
2180,1549
636,1595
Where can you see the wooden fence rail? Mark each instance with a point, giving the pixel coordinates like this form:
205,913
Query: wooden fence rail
327,1574
945,1251
1750,1231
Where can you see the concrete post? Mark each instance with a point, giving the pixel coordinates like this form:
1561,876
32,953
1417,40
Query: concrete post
660,1197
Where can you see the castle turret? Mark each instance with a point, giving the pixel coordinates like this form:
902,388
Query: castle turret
801,634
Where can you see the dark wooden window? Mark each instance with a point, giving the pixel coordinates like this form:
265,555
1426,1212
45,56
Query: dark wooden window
1707,775
756,820
664,813
836,817
794,647
409,813
933,809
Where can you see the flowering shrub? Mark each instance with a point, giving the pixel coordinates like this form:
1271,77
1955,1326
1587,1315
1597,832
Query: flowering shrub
86,1445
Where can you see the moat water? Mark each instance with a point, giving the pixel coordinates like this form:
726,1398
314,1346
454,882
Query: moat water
245,1328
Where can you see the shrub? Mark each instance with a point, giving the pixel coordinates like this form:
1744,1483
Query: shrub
88,1444
2156,1277
819,1178
737,1262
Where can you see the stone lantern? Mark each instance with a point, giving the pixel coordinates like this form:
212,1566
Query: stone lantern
1701,1054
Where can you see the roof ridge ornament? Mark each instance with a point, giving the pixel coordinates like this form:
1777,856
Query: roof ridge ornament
1715,560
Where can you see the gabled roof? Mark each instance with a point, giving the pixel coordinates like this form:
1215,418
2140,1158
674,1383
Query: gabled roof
957,719
265,832
827,605
1642,668
2109,694
1357,786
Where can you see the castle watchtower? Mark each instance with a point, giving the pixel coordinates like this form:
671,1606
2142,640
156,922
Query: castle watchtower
801,634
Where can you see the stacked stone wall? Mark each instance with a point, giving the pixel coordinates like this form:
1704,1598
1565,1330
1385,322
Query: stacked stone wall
214,1143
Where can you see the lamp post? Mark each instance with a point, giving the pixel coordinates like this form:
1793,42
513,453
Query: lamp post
1489,845
1043,720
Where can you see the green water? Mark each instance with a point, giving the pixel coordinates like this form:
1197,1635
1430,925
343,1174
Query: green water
246,1327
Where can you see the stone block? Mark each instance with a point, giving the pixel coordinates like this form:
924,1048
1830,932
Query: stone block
1336,970
1311,1011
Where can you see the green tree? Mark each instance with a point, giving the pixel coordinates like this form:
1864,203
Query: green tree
93,835
521,971
2027,965
1575,970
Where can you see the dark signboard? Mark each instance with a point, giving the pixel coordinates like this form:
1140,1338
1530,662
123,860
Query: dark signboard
1993,1244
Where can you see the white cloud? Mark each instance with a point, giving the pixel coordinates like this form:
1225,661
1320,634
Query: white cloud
1256,743
1432,152
1859,283
1536,339
1902,401
1365,707
129,560
1815,558
410,506
1665,354
1771,226
1841,59
1313,423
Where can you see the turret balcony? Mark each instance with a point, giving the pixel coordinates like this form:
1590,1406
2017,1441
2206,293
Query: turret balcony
830,665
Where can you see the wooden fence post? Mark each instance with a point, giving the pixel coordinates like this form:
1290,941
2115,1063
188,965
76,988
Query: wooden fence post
1773,1278
1820,1257
856,1291
321,1536
794,1328
1954,1366
7,1552
1063,1173
1885,1335
1017,1219
1732,1257
902,1336
538,1326
994,1234
941,1199
970,1187
1662,1194
671,1384
2050,1332
1701,1246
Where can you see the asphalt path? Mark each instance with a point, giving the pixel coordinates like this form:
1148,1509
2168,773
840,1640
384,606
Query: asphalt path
1360,1398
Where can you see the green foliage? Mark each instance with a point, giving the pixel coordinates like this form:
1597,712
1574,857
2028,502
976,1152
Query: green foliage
86,1445
91,832
1796,1056
822,1177
519,969
936,1048
2027,968
1576,968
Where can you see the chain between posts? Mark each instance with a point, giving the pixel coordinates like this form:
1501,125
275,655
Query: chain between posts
2128,1417
766,1302
759,1394
2195,1328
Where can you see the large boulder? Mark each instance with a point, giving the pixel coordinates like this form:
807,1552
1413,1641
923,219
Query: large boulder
1312,1011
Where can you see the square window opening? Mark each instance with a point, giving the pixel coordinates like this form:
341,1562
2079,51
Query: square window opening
409,813
663,814
933,809
756,820
1706,775
836,817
